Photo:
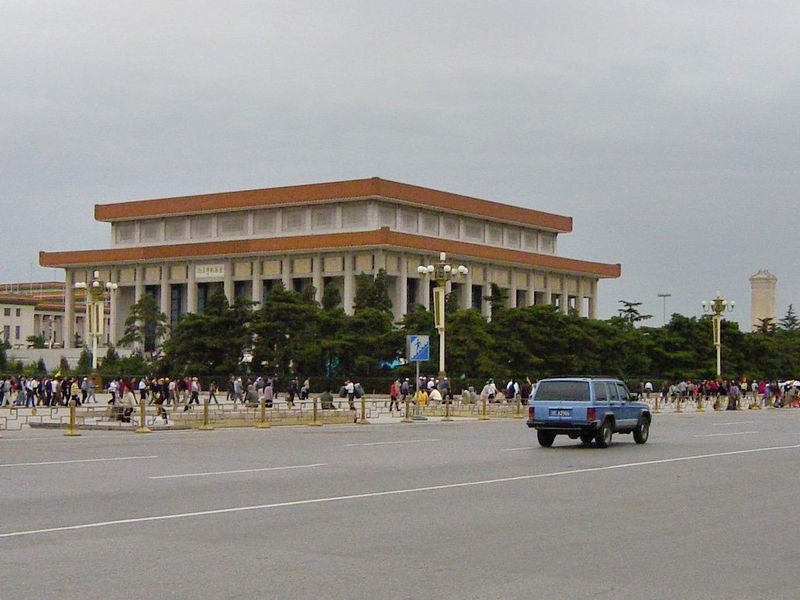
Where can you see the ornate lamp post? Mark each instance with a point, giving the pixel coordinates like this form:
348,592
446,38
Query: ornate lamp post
664,297
718,306
96,291
441,273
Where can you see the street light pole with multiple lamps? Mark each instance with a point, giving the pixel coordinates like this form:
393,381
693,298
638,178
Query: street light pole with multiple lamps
96,291
441,273
718,306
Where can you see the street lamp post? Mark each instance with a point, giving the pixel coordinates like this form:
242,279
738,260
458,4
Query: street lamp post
718,306
95,309
441,273
664,296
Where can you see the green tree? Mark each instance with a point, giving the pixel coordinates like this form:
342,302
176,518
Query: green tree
498,298
790,321
331,298
146,325
282,329
372,292
36,341
211,343
629,313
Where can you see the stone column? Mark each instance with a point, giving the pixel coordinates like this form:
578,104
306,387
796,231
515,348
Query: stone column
257,292
316,278
465,299
138,294
402,288
286,272
548,289
227,282
191,289
349,284
579,301
165,296
512,290
68,325
564,295
425,292
530,294
486,307
113,302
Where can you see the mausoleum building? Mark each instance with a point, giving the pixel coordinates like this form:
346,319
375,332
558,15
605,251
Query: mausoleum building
314,235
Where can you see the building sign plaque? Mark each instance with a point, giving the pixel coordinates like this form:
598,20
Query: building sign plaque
209,271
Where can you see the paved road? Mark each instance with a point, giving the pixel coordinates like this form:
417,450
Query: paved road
706,509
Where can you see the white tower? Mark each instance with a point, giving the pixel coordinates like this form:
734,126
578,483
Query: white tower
762,298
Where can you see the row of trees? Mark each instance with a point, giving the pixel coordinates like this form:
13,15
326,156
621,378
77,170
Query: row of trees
291,334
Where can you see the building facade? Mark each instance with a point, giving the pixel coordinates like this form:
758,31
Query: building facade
315,235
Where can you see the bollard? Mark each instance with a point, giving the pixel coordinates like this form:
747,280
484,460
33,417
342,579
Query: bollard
678,404
446,416
483,416
519,408
205,426
699,403
407,418
71,429
363,419
314,421
142,428
262,422
656,409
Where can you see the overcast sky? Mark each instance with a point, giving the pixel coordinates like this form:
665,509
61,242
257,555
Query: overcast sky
668,130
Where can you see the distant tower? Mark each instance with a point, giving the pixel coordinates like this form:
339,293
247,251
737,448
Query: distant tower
762,298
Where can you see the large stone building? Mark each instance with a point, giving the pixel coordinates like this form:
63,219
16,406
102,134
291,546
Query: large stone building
327,233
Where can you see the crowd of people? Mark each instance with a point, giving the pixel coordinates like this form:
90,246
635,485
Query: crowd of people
183,392
32,391
733,393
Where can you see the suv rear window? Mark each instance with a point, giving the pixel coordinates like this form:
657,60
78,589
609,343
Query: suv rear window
562,391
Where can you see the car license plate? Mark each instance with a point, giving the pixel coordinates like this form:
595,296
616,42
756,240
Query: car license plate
560,412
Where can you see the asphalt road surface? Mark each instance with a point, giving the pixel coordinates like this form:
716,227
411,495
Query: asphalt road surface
708,508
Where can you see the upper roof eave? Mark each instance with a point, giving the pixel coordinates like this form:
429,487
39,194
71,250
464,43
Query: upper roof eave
337,190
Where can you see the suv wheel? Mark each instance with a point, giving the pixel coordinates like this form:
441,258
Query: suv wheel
603,436
642,431
545,438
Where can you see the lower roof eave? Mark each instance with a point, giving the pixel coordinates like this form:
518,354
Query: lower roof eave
337,242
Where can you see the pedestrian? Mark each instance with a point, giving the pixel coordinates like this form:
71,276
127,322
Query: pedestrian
212,392
393,389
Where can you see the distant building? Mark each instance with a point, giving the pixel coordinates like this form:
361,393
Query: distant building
311,236
762,298
36,309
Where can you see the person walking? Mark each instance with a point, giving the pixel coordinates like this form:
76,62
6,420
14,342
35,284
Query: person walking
393,389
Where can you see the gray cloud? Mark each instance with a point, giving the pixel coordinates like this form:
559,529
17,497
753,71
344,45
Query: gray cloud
668,130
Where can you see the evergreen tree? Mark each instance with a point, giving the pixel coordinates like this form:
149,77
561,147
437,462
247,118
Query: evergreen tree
790,322
146,325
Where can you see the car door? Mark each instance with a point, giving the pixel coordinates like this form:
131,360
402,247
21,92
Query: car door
600,398
628,411
615,404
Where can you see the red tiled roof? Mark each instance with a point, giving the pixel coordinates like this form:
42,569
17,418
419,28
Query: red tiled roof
356,188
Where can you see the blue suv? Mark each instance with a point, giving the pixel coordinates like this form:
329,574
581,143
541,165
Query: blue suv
589,408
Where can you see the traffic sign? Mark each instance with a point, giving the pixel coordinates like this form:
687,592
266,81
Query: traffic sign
418,348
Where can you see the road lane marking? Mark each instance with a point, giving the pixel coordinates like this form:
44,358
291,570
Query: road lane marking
392,443
726,434
208,473
513,449
417,490
735,423
69,462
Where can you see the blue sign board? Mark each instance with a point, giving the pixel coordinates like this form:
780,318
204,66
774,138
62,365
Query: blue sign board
418,348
